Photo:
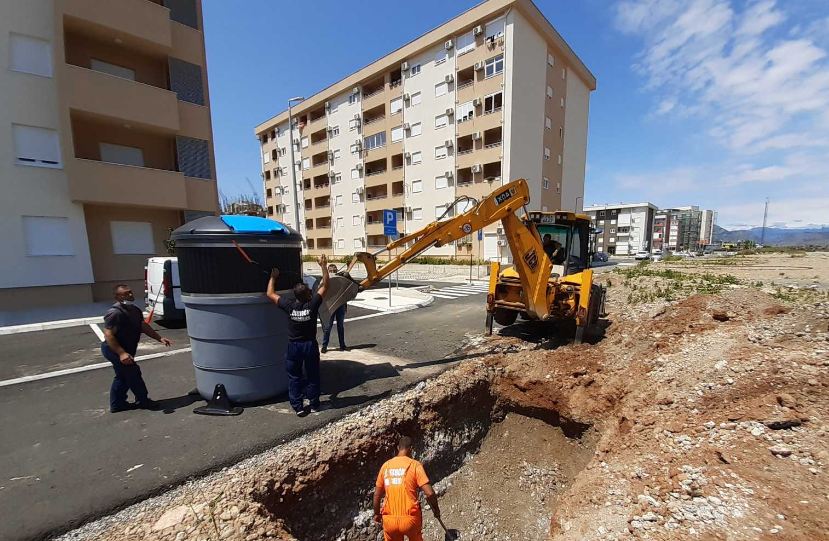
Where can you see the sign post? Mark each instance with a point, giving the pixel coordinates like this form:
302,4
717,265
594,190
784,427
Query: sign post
390,231
480,255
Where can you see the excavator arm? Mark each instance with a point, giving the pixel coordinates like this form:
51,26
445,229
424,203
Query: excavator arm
531,262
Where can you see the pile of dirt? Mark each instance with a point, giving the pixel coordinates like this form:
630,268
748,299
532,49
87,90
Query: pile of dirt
702,418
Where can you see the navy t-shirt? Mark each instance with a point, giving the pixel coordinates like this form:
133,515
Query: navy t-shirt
302,317
126,320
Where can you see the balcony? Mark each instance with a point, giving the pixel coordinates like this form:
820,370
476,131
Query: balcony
317,120
109,96
92,181
138,21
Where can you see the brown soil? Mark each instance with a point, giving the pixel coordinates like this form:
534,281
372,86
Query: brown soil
706,417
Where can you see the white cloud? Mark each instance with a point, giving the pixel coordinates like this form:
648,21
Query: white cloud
785,212
747,71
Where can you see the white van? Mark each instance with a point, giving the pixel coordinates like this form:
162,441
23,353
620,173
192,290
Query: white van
162,288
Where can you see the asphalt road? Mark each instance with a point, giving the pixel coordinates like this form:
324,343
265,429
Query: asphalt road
66,460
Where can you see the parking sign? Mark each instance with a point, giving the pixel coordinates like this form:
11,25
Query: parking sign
390,223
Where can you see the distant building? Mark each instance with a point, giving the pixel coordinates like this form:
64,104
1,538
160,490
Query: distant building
683,228
625,228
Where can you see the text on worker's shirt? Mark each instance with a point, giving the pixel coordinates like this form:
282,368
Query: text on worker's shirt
301,316
394,476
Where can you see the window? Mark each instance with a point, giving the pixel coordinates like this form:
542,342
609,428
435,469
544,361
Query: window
340,244
562,102
396,106
415,99
494,66
397,134
30,55
112,69
549,91
306,163
266,157
440,152
121,154
414,70
355,148
336,154
355,197
358,243
340,220
338,177
132,238
355,220
440,209
417,214
441,56
415,129
601,214
546,153
417,186
558,187
353,98
546,183
337,202
354,124
335,131
464,112
417,157
495,29
551,60
441,121
47,235
39,147
493,102
560,131
559,159
612,239
355,174
441,182
375,141
304,142
548,123
441,89
563,73
466,43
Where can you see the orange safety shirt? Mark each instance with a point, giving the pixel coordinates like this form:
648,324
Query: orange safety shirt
401,477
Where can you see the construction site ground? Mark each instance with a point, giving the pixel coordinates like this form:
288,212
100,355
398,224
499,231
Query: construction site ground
699,411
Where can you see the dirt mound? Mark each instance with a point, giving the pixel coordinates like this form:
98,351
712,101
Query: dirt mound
705,418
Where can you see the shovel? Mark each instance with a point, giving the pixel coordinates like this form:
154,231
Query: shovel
450,535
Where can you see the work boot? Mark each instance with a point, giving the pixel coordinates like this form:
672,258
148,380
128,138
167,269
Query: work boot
126,406
343,348
316,407
324,349
303,412
148,404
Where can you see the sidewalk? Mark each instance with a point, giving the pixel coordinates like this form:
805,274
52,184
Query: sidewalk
402,299
55,317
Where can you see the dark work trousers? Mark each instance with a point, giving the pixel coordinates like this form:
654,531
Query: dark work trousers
339,315
127,377
303,354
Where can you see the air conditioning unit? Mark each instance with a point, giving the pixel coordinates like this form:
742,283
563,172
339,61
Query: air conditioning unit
359,189
296,141
358,167
448,174
404,66
330,155
408,209
448,143
477,168
448,45
478,30
332,174
406,126
408,155
356,116
450,111
479,66
355,90
406,97
449,78
499,230
476,136
502,243
476,102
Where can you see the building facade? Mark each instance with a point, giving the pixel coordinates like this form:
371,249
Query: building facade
623,229
683,228
106,142
493,95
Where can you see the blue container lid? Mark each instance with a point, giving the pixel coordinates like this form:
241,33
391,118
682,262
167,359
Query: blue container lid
253,224
229,227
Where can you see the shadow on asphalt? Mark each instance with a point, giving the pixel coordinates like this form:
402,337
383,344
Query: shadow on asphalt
170,405
171,324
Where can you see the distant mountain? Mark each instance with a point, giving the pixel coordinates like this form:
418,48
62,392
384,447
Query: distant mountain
776,236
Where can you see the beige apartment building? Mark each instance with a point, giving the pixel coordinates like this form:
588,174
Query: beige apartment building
105,142
493,95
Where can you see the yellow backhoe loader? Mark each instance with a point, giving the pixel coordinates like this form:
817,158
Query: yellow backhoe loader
550,278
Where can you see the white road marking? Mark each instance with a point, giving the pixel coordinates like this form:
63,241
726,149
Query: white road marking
134,467
97,330
444,296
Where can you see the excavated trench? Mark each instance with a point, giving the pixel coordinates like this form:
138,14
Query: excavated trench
497,466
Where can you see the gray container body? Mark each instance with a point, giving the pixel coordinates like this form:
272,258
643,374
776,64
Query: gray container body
238,340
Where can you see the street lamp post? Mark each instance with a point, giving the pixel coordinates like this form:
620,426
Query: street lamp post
293,163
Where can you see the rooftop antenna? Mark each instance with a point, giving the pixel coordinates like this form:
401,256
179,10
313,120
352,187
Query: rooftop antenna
765,218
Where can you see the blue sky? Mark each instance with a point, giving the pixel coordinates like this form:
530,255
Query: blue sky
717,103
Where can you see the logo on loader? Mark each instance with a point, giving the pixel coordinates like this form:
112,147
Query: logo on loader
531,259
467,228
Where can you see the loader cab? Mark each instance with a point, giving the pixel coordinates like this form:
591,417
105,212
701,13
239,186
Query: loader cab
570,230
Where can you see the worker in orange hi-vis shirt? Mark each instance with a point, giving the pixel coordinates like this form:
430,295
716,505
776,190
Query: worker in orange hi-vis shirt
399,479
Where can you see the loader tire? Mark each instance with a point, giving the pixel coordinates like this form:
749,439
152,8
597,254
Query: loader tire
505,317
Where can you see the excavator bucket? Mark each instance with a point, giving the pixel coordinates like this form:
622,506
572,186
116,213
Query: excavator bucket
341,289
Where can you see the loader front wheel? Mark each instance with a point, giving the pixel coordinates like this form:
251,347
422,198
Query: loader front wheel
505,317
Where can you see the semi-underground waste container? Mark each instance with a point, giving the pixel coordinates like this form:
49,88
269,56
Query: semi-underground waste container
237,335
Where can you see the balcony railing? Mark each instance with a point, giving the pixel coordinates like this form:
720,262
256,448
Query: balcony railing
492,111
321,186
373,92
396,167
371,197
466,151
373,173
369,121
465,84
323,206
395,84
464,182
493,145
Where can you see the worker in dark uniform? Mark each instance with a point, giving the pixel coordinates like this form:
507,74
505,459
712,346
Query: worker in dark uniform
547,244
303,352
558,256
123,325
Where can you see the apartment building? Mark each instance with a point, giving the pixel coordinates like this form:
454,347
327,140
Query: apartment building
683,228
105,142
624,228
493,95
